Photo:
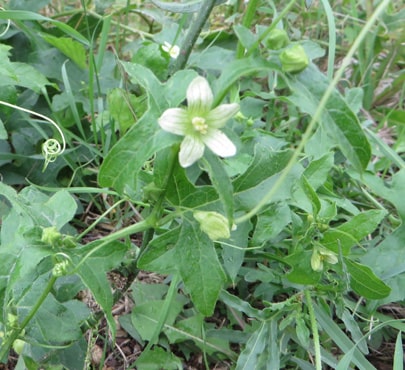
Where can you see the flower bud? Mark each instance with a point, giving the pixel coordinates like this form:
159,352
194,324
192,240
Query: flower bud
18,346
321,255
213,224
294,59
51,236
277,39
316,261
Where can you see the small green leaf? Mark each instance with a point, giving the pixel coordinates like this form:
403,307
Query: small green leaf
233,254
271,222
255,346
364,282
157,359
123,108
302,331
302,272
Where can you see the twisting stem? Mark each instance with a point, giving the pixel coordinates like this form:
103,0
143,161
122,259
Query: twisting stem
192,35
314,329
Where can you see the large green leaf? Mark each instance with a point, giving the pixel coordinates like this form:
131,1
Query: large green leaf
256,345
251,187
94,261
364,282
20,74
199,266
339,124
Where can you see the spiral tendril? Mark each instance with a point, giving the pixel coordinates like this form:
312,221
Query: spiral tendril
51,148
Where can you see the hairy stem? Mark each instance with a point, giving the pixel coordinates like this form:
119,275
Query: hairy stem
314,329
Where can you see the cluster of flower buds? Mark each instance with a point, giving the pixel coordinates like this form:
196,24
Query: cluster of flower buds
293,58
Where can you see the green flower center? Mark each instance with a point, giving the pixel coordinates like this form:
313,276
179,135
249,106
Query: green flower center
200,125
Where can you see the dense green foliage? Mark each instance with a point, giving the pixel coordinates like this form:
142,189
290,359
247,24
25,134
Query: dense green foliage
280,256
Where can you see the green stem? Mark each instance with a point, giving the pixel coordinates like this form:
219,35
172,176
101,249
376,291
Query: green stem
17,331
247,22
133,229
317,115
192,35
314,328
157,210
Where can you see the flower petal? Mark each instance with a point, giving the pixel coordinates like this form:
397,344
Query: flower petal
199,97
191,150
218,117
174,120
219,143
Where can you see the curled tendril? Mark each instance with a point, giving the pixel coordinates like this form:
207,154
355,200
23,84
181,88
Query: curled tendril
51,148
7,26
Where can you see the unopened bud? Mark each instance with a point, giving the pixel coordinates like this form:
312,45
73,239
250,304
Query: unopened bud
51,236
294,59
277,39
213,224
18,346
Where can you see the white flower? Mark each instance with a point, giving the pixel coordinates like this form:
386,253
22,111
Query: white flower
172,50
199,124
